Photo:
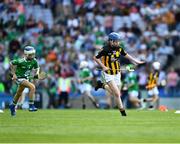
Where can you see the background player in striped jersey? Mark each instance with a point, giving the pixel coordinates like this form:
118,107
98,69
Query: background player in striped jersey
108,58
152,84
21,70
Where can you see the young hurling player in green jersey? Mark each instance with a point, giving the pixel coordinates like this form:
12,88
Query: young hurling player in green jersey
133,89
85,79
21,70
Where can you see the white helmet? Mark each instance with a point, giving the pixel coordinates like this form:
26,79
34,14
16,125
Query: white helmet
156,65
29,50
83,64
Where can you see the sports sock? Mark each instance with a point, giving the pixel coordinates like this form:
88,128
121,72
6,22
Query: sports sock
14,102
31,102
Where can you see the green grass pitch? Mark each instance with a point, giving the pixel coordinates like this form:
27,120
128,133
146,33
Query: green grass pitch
90,126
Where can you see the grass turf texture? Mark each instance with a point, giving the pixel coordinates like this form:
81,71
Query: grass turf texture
90,126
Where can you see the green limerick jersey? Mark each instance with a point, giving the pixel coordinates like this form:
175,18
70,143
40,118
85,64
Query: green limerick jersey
84,73
24,67
132,80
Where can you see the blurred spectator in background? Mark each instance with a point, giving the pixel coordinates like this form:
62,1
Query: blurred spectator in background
64,88
172,81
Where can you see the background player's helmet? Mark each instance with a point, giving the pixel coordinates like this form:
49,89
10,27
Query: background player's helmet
156,65
114,37
28,50
83,64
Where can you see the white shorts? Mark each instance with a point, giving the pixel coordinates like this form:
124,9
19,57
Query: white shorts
26,90
85,87
116,78
20,80
133,93
153,91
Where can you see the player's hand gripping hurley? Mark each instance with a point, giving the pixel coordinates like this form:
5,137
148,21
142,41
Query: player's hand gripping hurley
41,76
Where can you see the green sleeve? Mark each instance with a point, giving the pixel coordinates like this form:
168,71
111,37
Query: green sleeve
36,65
87,72
15,62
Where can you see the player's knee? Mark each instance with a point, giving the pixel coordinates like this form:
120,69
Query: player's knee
32,88
155,98
117,94
19,92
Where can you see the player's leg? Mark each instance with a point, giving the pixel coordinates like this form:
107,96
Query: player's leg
109,99
117,80
61,100
135,101
18,93
156,97
88,94
150,94
83,102
113,86
109,93
133,98
113,81
66,100
153,97
154,104
81,88
99,85
106,86
32,89
16,98
102,85
22,98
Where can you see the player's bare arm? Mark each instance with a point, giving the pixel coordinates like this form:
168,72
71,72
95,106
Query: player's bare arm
134,60
36,73
13,70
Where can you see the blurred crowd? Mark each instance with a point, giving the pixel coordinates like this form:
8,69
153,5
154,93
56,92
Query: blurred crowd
65,32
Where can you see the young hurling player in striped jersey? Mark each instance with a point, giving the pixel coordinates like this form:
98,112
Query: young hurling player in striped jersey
152,85
108,58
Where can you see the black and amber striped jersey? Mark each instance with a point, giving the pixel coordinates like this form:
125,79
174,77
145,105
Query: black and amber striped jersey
152,80
110,58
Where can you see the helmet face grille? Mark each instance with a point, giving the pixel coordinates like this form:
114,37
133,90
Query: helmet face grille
29,50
